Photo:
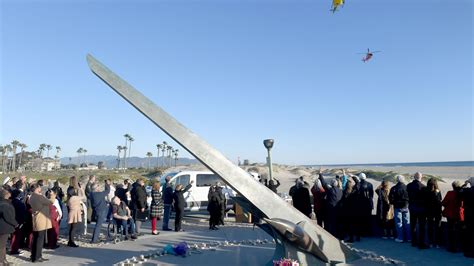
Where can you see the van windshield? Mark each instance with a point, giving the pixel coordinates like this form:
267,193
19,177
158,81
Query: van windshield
206,180
163,177
182,179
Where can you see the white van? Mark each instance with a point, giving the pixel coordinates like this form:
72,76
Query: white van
196,197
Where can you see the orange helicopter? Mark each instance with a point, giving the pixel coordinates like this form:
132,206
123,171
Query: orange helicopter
368,55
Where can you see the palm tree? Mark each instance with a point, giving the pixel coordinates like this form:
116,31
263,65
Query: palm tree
8,149
124,148
14,145
42,147
168,152
163,149
175,157
85,151
48,147
149,154
22,146
158,147
58,149
79,151
171,156
119,148
3,151
127,137
130,140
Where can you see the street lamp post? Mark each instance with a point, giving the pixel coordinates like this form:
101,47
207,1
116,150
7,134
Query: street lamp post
268,143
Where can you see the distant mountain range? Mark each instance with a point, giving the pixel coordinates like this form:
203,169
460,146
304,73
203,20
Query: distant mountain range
110,161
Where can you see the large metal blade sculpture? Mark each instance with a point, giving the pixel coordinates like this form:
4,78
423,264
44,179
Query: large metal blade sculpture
296,235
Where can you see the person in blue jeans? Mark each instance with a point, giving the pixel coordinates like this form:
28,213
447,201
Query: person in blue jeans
123,217
398,197
99,205
417,205
167,201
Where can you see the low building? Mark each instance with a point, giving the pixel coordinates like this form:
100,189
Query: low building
88,167
43,164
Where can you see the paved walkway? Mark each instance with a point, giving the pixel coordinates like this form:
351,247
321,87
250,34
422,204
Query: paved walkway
374,251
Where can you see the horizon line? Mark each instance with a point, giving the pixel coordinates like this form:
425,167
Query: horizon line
313,164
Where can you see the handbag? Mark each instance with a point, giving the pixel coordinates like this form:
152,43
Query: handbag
143,216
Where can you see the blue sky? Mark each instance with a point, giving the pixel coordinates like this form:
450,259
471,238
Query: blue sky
237,72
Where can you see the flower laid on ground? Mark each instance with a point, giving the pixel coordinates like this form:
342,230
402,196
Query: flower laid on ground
286,262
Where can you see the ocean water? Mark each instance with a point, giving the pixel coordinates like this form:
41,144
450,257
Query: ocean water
417,164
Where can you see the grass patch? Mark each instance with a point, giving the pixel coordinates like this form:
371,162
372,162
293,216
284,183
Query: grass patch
391,176
116,176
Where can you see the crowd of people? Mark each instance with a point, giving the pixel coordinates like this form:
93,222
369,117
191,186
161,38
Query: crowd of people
31,212
404,212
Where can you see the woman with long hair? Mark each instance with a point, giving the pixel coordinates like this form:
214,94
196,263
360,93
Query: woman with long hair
385,210
74,186
74,204
156,208
55,212
347,213
433,212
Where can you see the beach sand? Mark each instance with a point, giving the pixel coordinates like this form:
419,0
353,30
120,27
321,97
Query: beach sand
288,174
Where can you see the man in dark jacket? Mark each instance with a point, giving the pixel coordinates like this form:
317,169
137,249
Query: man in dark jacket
292,190
222,204
122,191
416,191
333,196
7,223
213,207
272,186
301,199
88,190
467,196
100,207
18,238
333,193
179,203
398,197
139,204
167,201
365,193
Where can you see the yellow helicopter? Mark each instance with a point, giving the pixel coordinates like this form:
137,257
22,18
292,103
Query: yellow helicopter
336,4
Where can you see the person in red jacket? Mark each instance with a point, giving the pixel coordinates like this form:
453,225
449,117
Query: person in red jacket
53,232
318,200
454,213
